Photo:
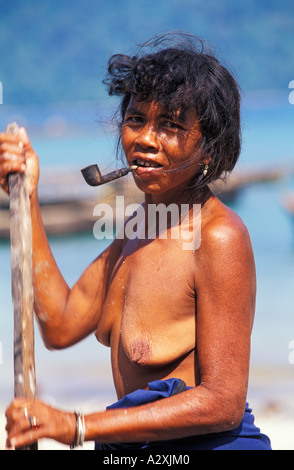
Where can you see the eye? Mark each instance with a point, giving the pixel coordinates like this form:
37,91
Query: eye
172,125
133,119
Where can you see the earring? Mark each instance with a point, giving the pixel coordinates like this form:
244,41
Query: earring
205,170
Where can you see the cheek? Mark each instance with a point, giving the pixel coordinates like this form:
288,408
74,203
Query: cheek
126,141
181,155
181,147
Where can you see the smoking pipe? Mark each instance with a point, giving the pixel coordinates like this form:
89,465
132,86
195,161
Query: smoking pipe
93,177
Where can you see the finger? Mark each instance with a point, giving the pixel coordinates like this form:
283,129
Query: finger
24,138
25,438
8,157
15,148
22,134
6,137
16,404
20,139
4,184
12,166
24,431
18,423
16,416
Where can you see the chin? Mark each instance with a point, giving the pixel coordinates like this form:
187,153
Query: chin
151,188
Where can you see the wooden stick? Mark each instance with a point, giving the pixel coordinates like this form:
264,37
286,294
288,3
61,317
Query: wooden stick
22,286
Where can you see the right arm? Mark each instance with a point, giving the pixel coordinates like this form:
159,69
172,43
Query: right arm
65,315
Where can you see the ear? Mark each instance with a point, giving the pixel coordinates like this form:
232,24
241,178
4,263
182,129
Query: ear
207,160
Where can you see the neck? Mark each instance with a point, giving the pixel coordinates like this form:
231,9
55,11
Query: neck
179,195
158,219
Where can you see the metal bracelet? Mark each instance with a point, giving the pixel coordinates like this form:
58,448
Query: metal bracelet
80,430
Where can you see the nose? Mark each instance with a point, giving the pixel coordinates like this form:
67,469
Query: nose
148,138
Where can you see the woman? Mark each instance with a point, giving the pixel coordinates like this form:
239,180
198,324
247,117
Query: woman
178,321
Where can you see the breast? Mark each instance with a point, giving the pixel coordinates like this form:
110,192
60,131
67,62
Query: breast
150,308
139,351
113,305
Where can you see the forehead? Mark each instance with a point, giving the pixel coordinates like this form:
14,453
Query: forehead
156,109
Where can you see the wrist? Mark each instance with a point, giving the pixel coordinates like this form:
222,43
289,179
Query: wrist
79,434
34,197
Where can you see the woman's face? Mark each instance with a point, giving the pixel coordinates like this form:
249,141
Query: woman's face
157,143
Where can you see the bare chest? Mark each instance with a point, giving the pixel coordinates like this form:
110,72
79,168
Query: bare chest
150,304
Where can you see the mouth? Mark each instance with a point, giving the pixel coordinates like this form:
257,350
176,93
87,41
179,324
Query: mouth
144,164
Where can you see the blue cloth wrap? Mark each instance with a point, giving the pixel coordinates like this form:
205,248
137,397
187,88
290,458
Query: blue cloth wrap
245,437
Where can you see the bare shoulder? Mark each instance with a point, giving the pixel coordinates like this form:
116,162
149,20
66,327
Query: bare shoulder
223,231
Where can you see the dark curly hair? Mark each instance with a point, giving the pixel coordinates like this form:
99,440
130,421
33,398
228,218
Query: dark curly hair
179,75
